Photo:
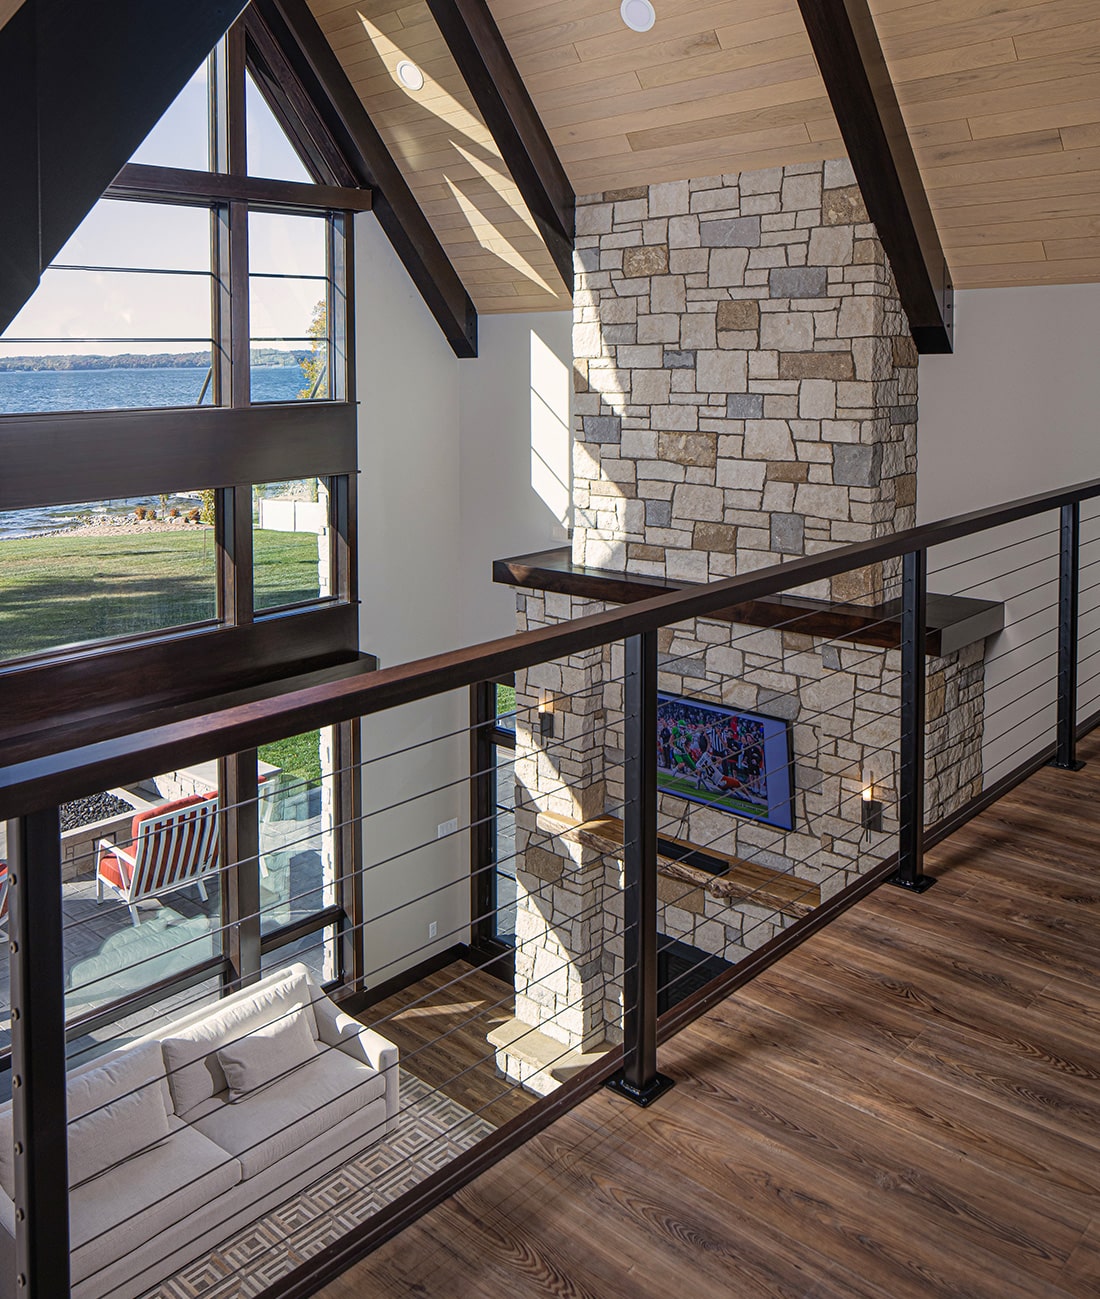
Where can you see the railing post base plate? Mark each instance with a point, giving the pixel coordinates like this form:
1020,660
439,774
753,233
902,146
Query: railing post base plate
642,1096
920,885
1065,766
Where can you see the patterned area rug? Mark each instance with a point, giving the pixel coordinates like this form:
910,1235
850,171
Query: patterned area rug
434,1130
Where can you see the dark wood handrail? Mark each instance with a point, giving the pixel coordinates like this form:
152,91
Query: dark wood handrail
46,781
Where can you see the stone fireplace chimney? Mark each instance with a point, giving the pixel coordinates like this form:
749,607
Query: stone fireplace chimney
746,391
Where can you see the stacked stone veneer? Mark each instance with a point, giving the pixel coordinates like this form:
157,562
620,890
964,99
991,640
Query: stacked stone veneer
745,391
746,381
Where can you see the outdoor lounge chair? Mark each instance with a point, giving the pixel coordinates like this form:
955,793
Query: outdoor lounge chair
173,846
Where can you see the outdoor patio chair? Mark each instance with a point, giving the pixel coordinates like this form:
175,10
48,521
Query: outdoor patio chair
172,846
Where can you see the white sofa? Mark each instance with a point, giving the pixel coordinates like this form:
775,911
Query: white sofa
180,1138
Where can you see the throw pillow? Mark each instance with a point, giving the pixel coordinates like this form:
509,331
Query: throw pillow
267,1054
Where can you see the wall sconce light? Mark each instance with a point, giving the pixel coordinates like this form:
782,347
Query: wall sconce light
870,808
546,717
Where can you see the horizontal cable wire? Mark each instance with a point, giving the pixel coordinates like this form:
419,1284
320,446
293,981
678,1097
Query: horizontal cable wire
1016,649
462,881
465,926
992,739
354,1141
372,1025
780,874
996,550
336,880
312,836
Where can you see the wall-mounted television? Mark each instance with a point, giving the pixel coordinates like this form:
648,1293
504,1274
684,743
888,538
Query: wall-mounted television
731,760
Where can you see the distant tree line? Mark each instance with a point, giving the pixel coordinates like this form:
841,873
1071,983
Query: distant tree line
261,356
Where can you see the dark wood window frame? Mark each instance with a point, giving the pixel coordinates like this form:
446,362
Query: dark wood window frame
232,445
486,737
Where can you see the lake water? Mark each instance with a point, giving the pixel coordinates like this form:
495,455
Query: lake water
26,391
23,391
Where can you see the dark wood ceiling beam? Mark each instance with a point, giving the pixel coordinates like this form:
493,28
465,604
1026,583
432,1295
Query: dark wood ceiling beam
846,45
81,85
487,67
317,68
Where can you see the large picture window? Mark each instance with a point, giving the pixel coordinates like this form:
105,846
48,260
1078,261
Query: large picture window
177,521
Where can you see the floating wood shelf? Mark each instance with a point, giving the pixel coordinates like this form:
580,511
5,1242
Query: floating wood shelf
953,621
741,881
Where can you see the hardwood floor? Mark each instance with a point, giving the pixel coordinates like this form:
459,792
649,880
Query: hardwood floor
465,1004
908,1106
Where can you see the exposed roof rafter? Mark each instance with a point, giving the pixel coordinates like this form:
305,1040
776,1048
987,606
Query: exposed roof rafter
503,100
303,46
854,70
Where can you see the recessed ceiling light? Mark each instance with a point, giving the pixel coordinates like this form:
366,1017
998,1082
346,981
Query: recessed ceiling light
412,78
639,15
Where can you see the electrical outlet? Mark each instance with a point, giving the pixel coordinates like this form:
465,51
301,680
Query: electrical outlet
446,827
433,928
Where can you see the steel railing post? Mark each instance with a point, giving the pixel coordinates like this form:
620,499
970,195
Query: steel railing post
914,633
39,1099
1069,544
639,1079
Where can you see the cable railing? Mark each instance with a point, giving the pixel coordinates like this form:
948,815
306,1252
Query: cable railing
400,963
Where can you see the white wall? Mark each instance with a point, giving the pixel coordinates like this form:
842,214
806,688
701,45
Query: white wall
516,491
406,382
461,462
1014,412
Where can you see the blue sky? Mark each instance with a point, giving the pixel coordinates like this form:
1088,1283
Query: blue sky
176,307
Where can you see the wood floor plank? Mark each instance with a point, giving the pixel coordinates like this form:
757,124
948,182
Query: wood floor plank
936,999
907,1107
692,1208
912,960
916,1184
1003,938
814,1229
1053,1164
1020,1076
439,1025
1083,1268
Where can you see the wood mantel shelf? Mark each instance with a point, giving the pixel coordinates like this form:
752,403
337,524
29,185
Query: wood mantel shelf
953,621
741,881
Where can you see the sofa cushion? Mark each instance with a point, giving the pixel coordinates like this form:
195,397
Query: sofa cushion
136,1072
190,1054
114,1132
266,1054
268,1124
146,1197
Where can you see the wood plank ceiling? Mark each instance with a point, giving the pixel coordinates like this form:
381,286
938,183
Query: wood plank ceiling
1002,100
438,138
7,9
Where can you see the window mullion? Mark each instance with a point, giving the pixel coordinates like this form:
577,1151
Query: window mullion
240,856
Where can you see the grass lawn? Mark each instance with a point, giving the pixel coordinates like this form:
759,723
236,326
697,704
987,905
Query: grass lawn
300,756
506,703
65,589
